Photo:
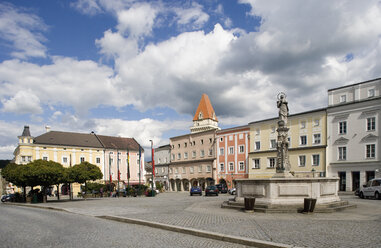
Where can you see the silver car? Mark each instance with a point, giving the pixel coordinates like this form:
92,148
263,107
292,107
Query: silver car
371,189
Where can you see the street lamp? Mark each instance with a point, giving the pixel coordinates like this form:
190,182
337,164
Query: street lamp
153,165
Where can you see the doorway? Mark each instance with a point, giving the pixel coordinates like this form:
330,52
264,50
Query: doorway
355,180
342,180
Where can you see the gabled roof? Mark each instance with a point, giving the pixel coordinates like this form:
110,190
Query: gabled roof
205,107
68,139
119,143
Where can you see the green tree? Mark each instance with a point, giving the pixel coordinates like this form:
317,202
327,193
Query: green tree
45,173
83,172
16,174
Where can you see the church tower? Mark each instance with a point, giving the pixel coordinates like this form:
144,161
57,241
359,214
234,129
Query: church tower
205,118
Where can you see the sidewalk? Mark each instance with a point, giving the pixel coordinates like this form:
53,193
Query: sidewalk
358,227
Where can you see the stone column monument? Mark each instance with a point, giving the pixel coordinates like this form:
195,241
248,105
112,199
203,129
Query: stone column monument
282,162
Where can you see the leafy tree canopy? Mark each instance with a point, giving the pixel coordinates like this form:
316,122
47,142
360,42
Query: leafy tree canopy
85,171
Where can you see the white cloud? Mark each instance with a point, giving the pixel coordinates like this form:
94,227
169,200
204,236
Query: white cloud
23,31
89,7
23,102
193,16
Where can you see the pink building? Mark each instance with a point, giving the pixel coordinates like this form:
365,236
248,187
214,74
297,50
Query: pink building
232,154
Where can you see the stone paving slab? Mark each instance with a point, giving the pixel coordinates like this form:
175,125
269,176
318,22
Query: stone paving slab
359,227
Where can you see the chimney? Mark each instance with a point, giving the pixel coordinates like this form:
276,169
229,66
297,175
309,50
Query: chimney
47,128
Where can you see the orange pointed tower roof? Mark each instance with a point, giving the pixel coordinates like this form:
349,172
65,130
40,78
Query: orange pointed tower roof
205,110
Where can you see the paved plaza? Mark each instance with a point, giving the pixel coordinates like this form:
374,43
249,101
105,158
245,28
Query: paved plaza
356,227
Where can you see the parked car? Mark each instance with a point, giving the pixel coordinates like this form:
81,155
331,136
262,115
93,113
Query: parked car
195,190
371,189
232,191
8,198
222,188
211,190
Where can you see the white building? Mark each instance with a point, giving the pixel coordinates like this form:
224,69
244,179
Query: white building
353,123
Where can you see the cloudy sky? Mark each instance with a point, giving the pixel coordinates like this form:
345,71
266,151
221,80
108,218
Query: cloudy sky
138,69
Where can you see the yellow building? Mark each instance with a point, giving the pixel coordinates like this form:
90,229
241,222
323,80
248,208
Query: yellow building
68,148
307,145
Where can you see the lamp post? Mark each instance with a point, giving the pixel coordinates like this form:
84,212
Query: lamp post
153,164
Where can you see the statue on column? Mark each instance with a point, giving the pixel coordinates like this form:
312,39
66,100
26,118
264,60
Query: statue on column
283,164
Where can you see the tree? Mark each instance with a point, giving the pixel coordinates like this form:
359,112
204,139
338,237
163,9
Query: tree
16,174
85,171
45,173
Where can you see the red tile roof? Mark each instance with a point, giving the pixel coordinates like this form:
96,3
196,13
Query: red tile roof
205,107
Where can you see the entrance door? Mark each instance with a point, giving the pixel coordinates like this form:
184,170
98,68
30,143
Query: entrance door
355,180
369,175
342,180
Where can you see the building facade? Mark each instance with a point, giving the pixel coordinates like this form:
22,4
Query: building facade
193,156
162,160
232,151
354,142
68,149
307,145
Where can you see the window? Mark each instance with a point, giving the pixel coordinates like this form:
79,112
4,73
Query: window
241,149
241,136
271,163
257,145
185,144
342,127
202,153
315,159
273,129
82,159
176,171
371,93
231,137
303,124
173,157
208,168
273,144
170,170
194,143
371,151
221,139
185,155
162,170
343,98
303,140
98,160
222,167
316,122
200,115
29,158
202,141
221,151
159,161
256,163
289,141
184,170
371,124
200,168
257,131
231,166
231,150
210,152
342,153
302,160
45,158
317,138
156,170
178,145
178,155
193,154
241,166
210,140
191,170
64,160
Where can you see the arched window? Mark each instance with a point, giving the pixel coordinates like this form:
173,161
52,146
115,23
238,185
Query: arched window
200,115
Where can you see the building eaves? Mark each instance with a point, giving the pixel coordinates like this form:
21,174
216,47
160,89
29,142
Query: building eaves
355,84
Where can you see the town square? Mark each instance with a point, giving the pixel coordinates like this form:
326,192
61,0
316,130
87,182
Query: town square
166,123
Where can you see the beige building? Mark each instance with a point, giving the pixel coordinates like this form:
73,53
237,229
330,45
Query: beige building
307,145
68,148
193,156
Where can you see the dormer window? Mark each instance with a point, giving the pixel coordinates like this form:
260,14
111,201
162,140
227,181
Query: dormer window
343,98
371,93
200,116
